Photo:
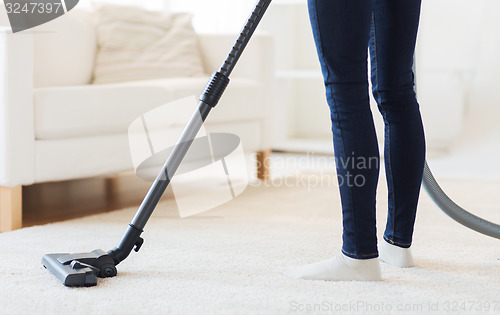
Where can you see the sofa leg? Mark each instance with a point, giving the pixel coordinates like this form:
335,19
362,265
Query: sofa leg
112,185
11,210
112,190
263,164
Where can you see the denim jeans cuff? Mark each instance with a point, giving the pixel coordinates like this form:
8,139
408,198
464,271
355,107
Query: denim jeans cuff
397,241
360,256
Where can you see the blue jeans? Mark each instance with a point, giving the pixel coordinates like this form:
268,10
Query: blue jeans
343,31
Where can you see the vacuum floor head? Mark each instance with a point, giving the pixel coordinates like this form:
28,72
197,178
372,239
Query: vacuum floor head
80,270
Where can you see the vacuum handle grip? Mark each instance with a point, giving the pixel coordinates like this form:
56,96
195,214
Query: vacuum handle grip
244,37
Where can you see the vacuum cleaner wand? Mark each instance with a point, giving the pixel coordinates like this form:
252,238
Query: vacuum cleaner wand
83,269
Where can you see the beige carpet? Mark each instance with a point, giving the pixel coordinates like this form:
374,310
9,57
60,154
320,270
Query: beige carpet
229,260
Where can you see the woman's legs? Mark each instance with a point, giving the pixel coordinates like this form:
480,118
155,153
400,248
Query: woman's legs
392,45
341,30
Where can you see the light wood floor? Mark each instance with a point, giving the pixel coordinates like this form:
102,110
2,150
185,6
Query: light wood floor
51,202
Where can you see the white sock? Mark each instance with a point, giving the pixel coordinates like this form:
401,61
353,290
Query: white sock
395,255
339,268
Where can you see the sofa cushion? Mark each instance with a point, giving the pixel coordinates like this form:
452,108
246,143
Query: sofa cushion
137,44
64,50
83,111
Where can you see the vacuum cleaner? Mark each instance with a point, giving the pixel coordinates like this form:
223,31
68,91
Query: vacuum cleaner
83,269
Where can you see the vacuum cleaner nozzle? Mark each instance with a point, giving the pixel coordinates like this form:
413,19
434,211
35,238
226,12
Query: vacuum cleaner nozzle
80,270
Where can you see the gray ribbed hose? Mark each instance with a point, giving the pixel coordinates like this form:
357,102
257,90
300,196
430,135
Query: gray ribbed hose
454,211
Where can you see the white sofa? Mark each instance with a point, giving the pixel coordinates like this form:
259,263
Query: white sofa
55,125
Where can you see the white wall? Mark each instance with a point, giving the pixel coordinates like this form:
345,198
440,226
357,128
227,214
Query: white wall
161,5
223,16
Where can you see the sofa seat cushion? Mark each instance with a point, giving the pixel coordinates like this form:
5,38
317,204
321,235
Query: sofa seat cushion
91,110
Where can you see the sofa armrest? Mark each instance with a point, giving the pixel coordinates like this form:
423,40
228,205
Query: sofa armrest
17,140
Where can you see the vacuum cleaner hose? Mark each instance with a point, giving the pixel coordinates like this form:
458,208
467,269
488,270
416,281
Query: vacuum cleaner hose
454,211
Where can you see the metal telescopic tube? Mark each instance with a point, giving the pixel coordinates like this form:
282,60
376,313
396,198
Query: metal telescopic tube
171,165
191,130
208,100
132,238
194,125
